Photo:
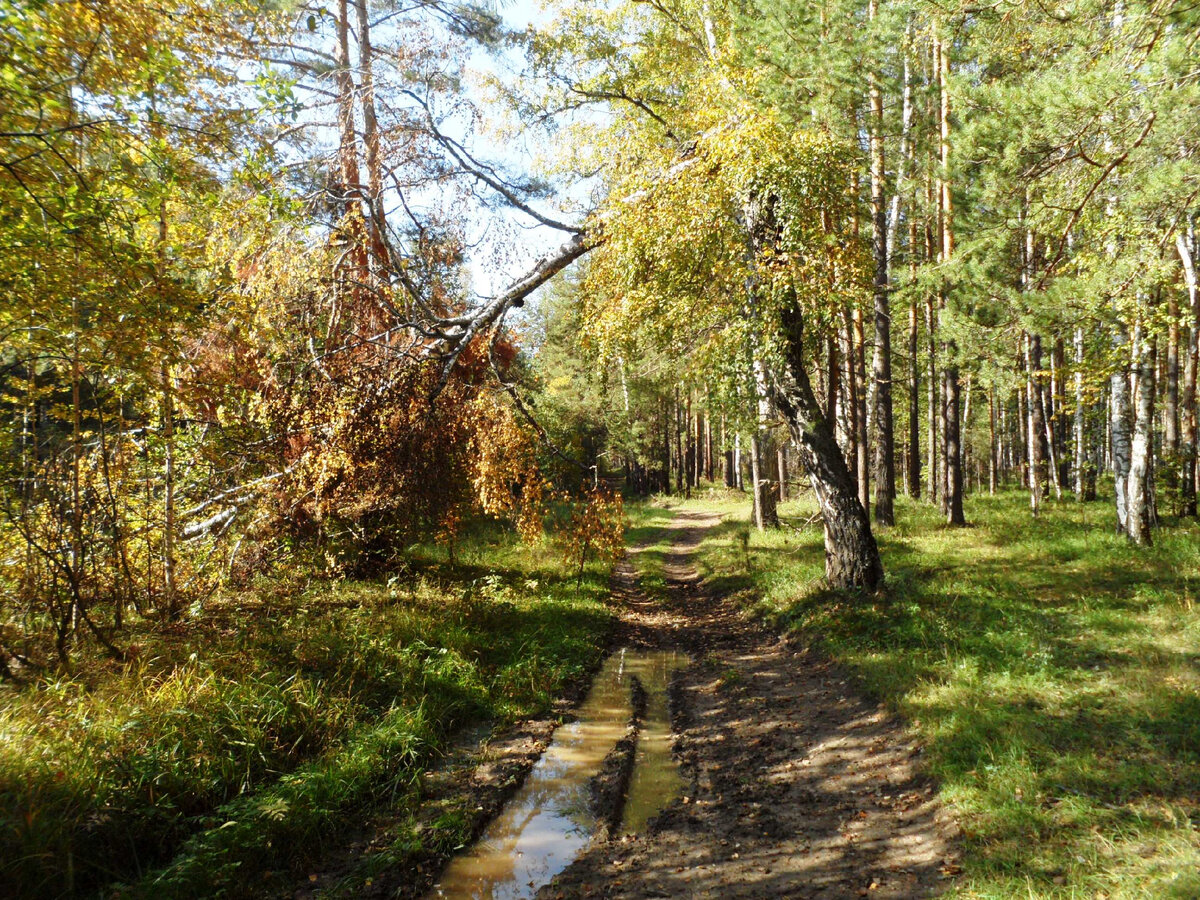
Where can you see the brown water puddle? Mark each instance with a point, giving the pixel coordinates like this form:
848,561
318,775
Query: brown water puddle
547,822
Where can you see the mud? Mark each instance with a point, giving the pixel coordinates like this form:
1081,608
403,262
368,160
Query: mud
608,787
791,783
798,785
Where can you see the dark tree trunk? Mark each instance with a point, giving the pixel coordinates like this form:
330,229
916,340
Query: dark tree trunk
851,554
954,475
861,438
766,492
708,447
680,465
934,405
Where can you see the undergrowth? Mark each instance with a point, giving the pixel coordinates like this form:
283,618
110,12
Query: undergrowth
1051,670
250,736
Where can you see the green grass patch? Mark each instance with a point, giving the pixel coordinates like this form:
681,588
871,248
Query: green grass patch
649,538
256,732
1051,670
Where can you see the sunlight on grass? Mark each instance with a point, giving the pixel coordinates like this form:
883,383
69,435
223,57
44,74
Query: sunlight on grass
255,733
1051,670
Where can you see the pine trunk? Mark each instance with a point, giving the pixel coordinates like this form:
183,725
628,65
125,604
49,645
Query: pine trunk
914,379
881,367
862,441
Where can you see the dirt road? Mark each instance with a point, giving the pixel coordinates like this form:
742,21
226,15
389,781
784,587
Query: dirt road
799,787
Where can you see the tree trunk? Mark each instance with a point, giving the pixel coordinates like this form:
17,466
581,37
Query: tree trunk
666,453
1139,487
831,387
954,474
376,222
851,554
680,466
1080,431
848,403
1119,427
1185,245
766,492
708,447
348,141
881,367
862,441
914,379
1035,440
992,450
953,453
934,413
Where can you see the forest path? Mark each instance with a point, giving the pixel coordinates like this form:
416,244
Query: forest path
797,785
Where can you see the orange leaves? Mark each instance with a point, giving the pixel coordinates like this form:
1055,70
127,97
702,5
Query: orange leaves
596,526
505,473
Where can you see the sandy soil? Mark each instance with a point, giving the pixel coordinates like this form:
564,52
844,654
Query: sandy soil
799,786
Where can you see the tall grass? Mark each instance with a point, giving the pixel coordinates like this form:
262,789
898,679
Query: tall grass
252,735
1051,670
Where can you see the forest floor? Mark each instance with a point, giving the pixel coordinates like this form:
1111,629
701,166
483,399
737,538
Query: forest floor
798,785
1014,715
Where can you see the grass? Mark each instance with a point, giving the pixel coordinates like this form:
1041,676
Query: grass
1051,670
648,533
260,730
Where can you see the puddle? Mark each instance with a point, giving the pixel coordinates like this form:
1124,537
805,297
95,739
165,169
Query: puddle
547,823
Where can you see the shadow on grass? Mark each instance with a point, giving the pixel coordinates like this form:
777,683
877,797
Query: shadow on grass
293,724
1050,667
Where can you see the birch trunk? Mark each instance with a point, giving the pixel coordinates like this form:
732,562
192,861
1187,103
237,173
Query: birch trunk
1185,245
953,449
1139,487
992,452
851,554
1119,429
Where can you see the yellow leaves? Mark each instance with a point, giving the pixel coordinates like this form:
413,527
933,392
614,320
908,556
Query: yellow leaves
597,526
677,262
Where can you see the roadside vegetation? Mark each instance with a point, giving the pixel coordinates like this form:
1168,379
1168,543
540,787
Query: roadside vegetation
222,752
1049,667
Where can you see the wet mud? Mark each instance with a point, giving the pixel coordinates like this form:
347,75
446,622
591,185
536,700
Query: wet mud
576,793
796,784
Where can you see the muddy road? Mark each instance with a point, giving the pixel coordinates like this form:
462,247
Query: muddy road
790,783
795,784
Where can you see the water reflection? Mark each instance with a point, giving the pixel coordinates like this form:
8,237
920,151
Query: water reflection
547,823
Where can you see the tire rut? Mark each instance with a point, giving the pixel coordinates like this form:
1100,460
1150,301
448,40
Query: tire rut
800,786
